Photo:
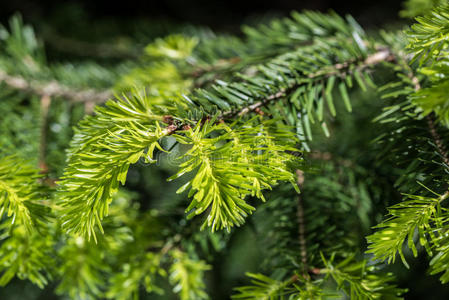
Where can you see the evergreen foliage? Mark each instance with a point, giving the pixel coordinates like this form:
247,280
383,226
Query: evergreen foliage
229,120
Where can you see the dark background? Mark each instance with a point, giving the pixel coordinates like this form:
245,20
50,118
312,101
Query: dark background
217,14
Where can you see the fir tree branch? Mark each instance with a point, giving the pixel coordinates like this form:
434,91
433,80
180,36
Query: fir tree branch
54,89
372,60
257,105
301,224
21,197
45,105
272,82
417,214
89,107
382,55
354,278
186,275
437,139
431,124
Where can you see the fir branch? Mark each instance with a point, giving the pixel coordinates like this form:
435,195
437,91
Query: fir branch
383,55
243,160
276,70
437,139
21,196
430,123
410,86
263,287
126,284
31,258
416,213
125,131
301,224
82,269
360,281
354,278
186,275
53,89
428,37
224,55
44,108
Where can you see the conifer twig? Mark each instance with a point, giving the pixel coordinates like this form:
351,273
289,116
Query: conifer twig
301,224
373,59
384,54
437,139
54,89
433,132
45,105
431,124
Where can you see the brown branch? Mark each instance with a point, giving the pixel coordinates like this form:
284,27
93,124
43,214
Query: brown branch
440,147
437,139
433,130
374,59
382,55
54,89
89,107
44,107
257,105
301,224
431,124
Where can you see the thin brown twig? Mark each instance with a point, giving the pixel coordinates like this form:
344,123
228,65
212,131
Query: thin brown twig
384,54
44,108
301,224
440,147
437,139
89,107
433,131
374,59
431,124
54,89
257,105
